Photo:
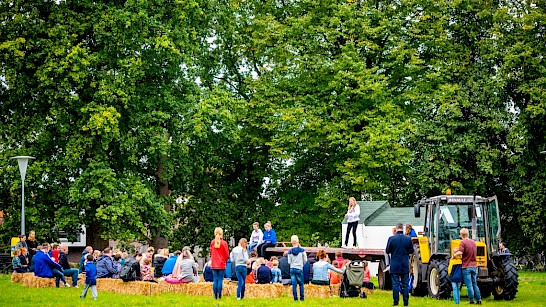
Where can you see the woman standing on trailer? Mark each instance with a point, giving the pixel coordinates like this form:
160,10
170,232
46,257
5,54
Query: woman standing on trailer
353,216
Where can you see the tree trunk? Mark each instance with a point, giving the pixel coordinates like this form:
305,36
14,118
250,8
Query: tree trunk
160,240
93,238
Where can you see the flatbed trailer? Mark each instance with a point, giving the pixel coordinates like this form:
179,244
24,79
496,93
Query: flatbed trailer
373,255
368,254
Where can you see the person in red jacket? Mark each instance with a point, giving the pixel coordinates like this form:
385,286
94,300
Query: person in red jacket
219,254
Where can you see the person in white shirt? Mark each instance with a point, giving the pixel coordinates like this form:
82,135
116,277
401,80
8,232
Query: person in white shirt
353,216
256,238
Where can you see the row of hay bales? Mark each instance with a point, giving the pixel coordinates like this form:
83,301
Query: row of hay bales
194,289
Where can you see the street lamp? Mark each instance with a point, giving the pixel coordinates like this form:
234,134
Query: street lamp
23,163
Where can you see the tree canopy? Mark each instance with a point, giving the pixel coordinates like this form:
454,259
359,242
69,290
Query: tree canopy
157,121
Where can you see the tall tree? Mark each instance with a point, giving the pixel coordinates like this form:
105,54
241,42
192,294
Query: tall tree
102,93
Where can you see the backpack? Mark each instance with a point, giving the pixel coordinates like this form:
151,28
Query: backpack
127,273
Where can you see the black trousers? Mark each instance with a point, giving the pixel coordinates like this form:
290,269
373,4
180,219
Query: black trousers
261,248
350,226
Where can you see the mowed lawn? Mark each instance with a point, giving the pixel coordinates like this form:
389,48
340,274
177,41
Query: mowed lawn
532,292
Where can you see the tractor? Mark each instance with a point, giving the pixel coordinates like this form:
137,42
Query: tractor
445,215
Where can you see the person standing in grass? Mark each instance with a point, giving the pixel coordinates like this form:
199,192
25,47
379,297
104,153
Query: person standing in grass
239,258
219,253
296,258
400,247
468,250
32,245
90,278
455,271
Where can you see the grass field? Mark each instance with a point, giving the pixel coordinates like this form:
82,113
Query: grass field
532,292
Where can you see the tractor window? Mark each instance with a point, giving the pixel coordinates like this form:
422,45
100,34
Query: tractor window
453,217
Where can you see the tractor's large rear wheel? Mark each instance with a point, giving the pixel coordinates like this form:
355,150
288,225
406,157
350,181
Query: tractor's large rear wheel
418,286
507,290
439,285
383,278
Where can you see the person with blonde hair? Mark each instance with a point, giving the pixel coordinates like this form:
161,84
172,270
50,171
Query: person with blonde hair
296,258
188,268
269,239
219,254
239,258
353,216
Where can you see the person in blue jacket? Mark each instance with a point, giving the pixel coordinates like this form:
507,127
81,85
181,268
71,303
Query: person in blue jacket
168,266
207,272
269,239
399,246
105,264
45,267
90,277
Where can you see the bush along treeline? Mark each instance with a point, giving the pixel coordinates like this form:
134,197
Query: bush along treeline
157,121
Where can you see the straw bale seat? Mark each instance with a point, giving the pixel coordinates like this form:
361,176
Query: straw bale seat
193,289
31,281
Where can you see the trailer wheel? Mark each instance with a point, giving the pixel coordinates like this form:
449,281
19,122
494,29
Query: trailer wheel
508,290
439,285
383,278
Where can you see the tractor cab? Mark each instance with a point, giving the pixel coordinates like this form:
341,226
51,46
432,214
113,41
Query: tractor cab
445,216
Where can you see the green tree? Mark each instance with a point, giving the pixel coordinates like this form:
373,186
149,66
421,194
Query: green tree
102,94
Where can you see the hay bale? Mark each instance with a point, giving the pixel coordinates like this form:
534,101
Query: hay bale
317,291
200,289
264,290
165,287
133,287
38,282
368,291
17,277
334,289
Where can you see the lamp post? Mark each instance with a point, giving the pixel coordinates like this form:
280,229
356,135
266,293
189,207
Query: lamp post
23,163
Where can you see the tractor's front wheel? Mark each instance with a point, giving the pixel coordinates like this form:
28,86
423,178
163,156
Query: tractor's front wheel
418,286
439,285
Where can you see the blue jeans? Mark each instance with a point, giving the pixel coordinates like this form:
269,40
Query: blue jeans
296,276
58,276
456,292
251,247
72,273
469,277
240,270
217,280
400,284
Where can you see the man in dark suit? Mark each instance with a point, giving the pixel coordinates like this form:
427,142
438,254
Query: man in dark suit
400,248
